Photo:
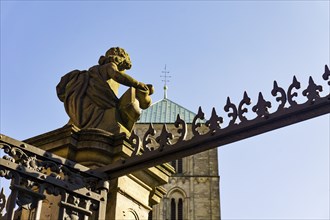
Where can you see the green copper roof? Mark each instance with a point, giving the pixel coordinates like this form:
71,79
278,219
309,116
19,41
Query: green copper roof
165,111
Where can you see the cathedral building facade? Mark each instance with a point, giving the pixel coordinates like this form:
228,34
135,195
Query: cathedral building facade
193,191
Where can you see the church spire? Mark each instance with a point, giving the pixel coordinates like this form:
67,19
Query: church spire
165,80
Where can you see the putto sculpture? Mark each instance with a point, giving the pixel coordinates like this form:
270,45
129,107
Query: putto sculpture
91,98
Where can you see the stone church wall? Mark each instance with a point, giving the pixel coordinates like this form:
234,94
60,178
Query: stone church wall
197,185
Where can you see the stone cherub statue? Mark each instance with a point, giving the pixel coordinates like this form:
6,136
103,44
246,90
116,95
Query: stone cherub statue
90,97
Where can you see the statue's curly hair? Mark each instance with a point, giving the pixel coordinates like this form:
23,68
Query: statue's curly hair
116,55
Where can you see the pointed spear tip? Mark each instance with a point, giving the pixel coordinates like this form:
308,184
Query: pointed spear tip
326,71
311,79
164,127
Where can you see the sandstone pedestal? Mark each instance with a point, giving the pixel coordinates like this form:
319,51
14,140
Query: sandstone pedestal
130,196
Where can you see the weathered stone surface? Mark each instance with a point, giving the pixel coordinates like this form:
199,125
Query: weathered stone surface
129,196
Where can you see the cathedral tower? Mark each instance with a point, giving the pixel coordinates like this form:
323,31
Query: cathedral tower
193,191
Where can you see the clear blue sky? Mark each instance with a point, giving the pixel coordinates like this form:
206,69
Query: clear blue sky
213,50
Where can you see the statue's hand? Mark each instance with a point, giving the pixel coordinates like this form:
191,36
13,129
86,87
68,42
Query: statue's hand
151,89
142,86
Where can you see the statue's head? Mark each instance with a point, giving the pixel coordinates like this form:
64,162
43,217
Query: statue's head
117,55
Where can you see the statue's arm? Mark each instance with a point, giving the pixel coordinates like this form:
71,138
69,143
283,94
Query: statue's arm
123,78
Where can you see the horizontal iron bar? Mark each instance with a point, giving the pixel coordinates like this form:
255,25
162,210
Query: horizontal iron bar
27,191
43,178
200,143
48,156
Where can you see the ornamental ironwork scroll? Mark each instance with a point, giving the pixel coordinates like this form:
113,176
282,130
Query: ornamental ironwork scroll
236,113
38,177
267,116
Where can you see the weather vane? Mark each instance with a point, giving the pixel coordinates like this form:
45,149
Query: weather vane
165,80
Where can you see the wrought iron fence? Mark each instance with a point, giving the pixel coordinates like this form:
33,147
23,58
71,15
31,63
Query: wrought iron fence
266,116
44,185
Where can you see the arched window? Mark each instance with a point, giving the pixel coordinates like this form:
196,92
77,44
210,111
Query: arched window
173,209
180,209
176,209
176,204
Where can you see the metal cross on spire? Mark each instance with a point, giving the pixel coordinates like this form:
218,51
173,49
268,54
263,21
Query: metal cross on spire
165,80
